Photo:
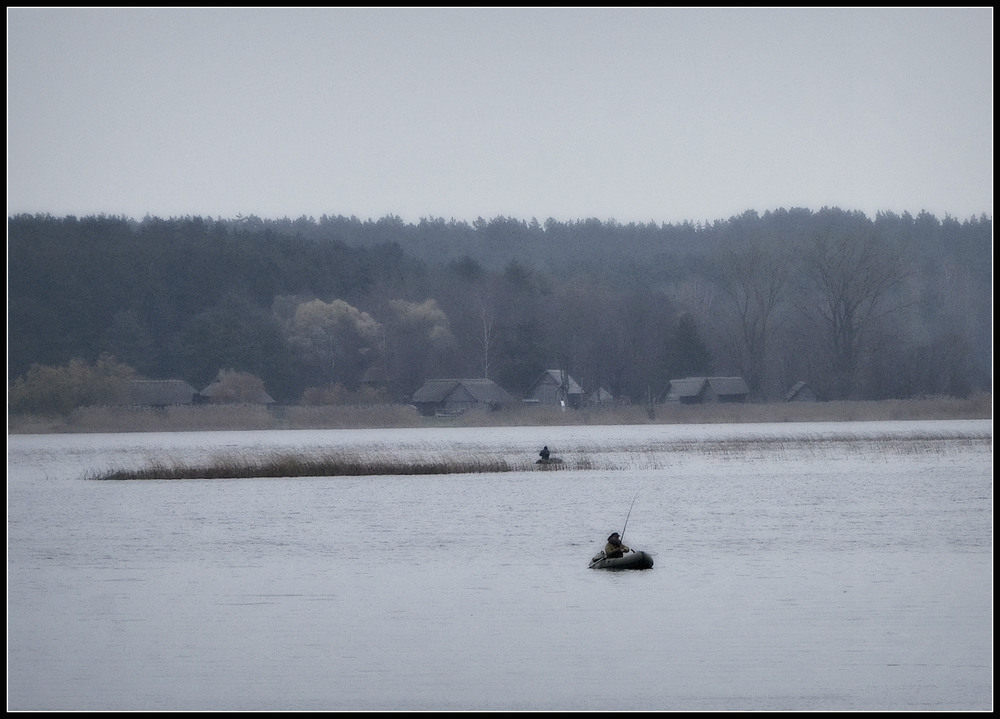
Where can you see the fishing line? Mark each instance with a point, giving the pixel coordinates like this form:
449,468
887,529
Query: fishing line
629,513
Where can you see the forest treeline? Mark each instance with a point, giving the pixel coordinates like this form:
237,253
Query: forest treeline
335,308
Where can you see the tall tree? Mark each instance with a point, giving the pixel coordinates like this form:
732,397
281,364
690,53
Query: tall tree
849,277
233,334
336,342
753,278
419,344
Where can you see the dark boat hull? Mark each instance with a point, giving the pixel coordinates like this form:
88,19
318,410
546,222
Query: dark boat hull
632,560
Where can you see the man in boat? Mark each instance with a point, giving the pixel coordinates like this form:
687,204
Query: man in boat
614,548
544,454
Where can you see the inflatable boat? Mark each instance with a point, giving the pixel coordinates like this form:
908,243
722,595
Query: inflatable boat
632,560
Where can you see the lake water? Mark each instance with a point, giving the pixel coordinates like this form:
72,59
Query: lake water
807,566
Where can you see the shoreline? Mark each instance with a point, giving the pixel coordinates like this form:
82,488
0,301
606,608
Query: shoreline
258,417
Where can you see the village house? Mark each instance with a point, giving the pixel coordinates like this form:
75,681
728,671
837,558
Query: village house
708,390
451,397
555,388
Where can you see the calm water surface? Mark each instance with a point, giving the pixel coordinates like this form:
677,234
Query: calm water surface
847,567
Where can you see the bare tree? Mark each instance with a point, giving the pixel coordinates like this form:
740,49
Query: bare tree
754,280
488,339
849,278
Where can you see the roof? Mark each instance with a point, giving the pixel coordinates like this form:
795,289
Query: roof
159,392
693,386
729,385
482,390
555,376
687,387
486,390
434,390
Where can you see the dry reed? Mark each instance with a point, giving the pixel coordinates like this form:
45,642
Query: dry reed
650,455
335,465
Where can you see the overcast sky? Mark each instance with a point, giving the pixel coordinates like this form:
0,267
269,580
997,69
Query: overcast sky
641,115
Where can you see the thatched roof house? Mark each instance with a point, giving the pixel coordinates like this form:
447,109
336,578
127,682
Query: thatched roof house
708,390
445,397
553,387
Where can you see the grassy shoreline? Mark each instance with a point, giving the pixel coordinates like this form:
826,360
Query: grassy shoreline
252,417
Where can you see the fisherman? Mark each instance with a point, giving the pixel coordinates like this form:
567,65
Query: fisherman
544,454
614,548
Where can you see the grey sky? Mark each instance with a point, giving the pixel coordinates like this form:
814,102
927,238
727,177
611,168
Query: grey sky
635,115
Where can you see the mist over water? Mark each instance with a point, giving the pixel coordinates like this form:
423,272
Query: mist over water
824,566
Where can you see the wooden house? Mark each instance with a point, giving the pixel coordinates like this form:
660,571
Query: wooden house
708,390
555,388
451,397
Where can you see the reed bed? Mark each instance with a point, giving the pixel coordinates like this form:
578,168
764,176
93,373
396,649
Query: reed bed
289,465
476,460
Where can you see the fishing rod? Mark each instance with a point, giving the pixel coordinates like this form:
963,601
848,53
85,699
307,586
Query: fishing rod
622,537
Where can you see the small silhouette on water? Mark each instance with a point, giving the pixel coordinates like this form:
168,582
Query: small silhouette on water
547,458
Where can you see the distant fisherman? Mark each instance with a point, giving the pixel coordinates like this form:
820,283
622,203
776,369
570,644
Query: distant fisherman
544,454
